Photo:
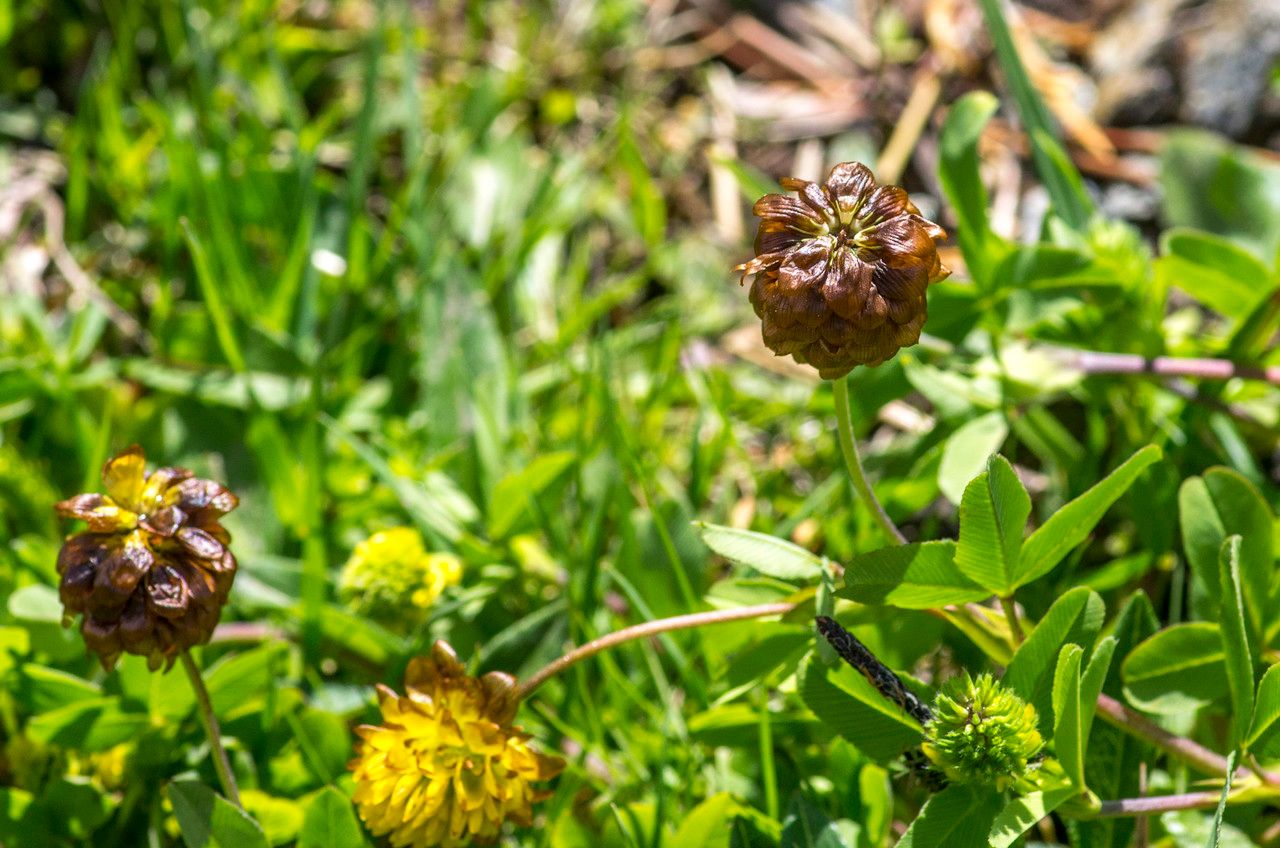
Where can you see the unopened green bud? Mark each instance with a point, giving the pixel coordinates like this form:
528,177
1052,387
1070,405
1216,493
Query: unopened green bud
981,732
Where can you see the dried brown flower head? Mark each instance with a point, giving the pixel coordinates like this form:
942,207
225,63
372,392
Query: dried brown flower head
841,271
152,571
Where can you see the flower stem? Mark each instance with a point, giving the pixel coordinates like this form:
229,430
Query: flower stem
1095,362
849,447
1158,804
640,631
1011,613
216,749
1192,753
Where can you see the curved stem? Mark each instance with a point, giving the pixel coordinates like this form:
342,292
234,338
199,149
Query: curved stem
216,749
849,447
639,631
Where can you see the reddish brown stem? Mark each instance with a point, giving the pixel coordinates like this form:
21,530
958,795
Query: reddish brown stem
648,628
1192,753
1095,362
1158,804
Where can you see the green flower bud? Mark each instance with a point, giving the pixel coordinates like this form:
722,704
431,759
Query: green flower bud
981,732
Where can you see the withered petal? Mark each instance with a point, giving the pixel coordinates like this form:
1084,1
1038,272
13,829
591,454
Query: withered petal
76,585
89,548
100,635
200,543
164,521
202,584
167,592
804,268
903,282
197,495
884,203
789,211
848,184
774,237
847,284
125,567
816,199
901,239
223,566
81,506
135,626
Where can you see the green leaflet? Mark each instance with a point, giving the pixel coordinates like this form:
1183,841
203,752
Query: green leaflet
993,518
1235,641
921,575
1179,668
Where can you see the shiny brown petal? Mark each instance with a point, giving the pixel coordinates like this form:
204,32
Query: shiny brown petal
500,696
901,281
80,506
847,285
774,238
122,570
136,626
789,211
83,548
200,543
848,185
225,564
804,268
884,203
164,521
167,592
76,585
814,197
201,583
98,511
901,239
197,495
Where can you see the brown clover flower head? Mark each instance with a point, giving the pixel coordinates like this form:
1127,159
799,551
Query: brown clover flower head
152,571
841,271
446,767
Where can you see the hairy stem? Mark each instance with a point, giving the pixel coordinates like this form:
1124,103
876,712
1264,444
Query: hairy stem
640,631
849,447
216,749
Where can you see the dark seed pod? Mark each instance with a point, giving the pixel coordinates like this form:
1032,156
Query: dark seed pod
152,572
840,272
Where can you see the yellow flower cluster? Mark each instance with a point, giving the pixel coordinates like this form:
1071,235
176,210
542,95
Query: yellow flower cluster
446,767
391,573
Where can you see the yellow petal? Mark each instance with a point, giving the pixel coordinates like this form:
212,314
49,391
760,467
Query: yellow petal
123,477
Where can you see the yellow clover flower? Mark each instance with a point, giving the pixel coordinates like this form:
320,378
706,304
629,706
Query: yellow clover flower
446,767
391,572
